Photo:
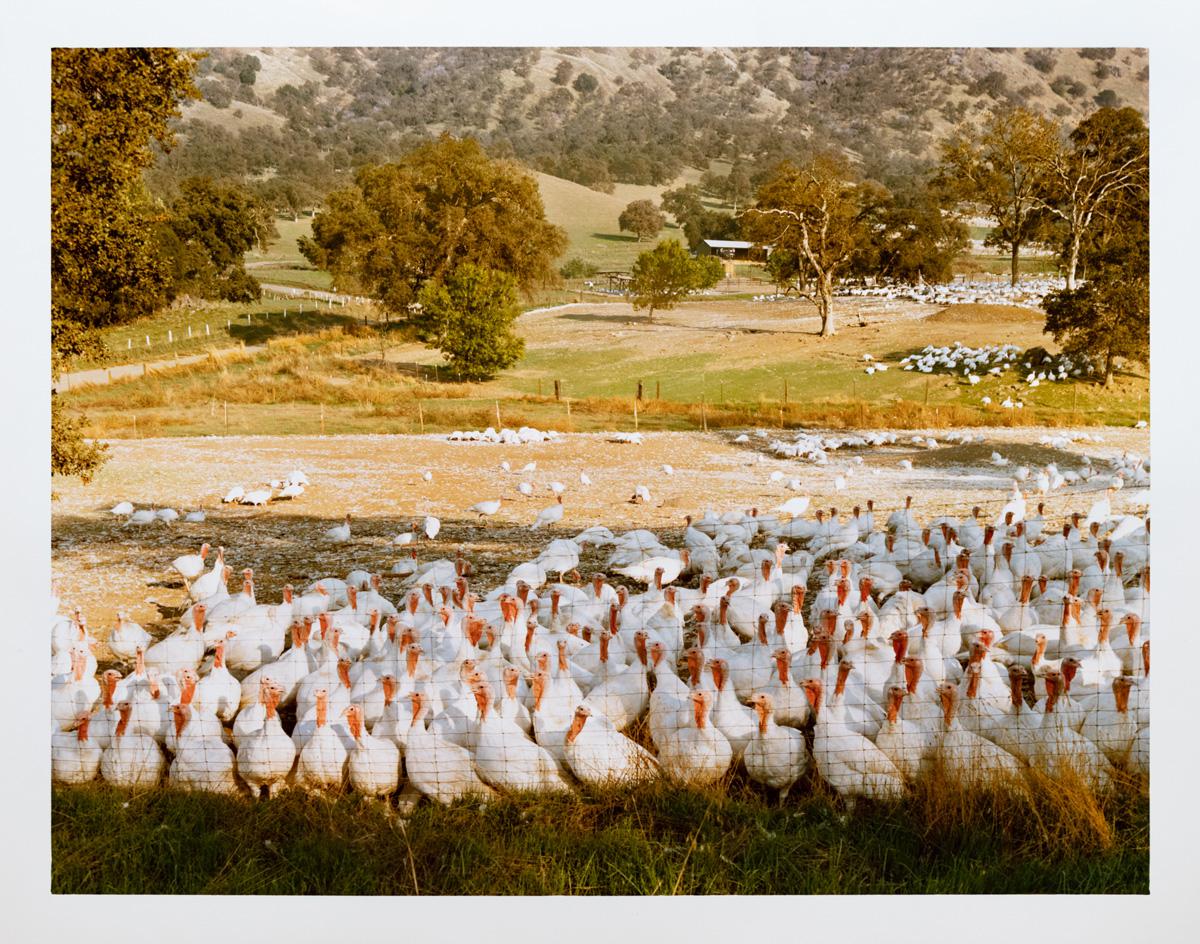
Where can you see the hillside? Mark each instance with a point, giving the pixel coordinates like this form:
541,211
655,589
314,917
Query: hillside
605,117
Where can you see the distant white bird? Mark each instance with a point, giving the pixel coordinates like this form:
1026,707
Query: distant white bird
235,494
906,465
839,483
795,506
525,489
583,479
776,476
432,526
998,459
260,496
551,515
145,516
291,490
794,484
296,477
556,487
405,537
986,401
667,470
485,507
121,508
529,467
166,515
427,476
341,533
641,494
742,439
505,466
197,515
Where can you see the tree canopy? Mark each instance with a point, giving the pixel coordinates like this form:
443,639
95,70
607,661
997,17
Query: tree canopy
1107,160
108,108
442,205
472,310
666,274
1108,316
1003,168
820,215
210,229
642,218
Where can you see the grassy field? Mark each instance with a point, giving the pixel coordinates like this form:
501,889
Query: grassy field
652,841
707,363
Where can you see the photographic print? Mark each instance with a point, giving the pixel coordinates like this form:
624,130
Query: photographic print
599,470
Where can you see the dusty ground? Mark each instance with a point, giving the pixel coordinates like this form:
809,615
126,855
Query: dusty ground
101,565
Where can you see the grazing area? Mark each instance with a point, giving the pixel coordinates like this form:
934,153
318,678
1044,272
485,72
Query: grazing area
710,362
732,833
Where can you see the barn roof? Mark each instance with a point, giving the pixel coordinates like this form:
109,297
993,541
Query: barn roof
728,244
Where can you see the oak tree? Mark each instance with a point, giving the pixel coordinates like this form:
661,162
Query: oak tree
666,274
1003,167
444,204
472,311
642,218
822,216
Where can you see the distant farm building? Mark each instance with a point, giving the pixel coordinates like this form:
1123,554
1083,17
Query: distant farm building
736,250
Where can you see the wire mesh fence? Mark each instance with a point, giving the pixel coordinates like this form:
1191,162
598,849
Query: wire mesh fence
870,652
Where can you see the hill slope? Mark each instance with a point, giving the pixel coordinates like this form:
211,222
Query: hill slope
621,115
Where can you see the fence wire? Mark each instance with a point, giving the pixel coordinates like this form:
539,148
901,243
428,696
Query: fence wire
867,653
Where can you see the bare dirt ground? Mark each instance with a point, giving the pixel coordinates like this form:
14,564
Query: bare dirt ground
102,565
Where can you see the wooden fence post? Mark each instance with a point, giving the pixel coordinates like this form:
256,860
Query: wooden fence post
558,391
225,412
639,390
703,416
635,414
657,390
322,419
421,416
785,391
497,402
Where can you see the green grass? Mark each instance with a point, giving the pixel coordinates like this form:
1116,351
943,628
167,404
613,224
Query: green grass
300,277
283,248
654,841
228,326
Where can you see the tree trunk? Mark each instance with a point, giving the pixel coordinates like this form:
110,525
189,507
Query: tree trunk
1016,263
1073,260
825,307
1108,368
650,314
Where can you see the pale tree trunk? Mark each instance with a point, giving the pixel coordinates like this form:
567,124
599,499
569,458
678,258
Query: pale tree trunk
1073,260
825,307
1108,368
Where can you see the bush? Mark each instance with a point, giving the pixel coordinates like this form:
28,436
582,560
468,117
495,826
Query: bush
1041,59
585,83
1107,99
577,268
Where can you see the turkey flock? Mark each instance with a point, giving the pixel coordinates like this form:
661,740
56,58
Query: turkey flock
862,651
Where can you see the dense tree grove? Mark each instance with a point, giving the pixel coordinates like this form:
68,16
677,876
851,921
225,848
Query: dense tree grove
107,108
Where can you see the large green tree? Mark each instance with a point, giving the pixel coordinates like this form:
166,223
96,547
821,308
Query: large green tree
1108,316
1003,167
108,108
210,229
472,311
823,217
642,218
442,205
666,274
1107,159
